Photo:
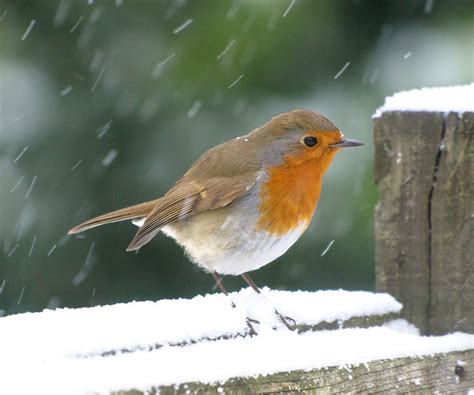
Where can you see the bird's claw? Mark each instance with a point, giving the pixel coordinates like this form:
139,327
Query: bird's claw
250,323
289,322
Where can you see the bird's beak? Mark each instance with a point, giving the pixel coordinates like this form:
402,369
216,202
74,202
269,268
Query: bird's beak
346,143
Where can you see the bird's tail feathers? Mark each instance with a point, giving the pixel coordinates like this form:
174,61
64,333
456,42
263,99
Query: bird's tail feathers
132,212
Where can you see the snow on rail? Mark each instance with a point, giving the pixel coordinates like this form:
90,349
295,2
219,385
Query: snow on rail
443,99
140,345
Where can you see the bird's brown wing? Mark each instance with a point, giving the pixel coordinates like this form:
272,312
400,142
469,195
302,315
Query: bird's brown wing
216,179
190,197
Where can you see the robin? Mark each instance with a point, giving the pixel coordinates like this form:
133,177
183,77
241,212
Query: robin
245,202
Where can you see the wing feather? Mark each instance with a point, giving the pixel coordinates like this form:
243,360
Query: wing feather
188,198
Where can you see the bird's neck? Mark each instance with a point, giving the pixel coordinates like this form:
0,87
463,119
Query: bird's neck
290,195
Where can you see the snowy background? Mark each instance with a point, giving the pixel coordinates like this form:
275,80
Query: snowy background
105,103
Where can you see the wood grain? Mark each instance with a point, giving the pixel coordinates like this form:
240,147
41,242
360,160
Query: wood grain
424,221
451,373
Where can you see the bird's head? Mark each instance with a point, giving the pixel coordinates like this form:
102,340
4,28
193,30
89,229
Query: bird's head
300,136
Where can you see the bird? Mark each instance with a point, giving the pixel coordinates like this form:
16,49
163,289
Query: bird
245,202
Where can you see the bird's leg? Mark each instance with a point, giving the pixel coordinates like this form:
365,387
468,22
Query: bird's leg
220,285
289,322
250,283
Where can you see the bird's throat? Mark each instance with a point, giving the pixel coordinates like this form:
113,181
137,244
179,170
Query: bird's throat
290,195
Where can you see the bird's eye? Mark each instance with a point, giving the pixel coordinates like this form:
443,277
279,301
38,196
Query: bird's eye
310,141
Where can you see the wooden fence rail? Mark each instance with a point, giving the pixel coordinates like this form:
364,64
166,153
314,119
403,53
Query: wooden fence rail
451,373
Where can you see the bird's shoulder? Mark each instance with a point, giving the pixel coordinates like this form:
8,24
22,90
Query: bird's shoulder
236,156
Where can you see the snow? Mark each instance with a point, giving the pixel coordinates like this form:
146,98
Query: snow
180,28
224,51
290,6
342,70
18,157
445,99
139,345
28,30
235,81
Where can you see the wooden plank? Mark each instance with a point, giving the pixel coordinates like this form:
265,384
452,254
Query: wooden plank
440,373
452,229
406,148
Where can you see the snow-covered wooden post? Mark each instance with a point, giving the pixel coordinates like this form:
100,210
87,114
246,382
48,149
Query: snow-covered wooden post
424,221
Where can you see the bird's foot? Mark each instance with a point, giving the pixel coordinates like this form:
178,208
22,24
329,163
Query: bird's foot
250,323
289,322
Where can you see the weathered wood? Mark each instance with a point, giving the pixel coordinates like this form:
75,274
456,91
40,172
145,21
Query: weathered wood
424,228
441,373
406,145
452,230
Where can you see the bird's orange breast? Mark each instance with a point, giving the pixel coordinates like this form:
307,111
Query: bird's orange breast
289,197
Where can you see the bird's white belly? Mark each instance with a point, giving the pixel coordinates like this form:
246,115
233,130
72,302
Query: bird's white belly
237,250
261,249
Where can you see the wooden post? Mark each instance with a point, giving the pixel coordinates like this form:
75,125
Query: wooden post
424,221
